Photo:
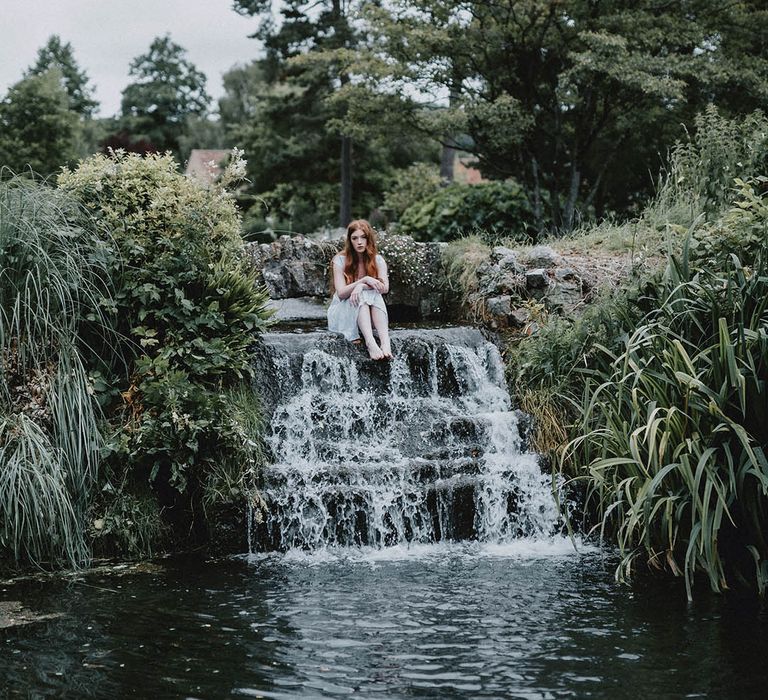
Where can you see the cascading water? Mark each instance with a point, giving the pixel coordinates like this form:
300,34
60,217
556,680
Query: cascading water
420,449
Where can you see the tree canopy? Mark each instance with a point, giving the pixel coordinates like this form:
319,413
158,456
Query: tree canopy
167,89
577,99
306,28
38,130
55,54
303,164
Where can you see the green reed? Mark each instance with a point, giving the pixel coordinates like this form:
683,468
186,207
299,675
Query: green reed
675,427
51,286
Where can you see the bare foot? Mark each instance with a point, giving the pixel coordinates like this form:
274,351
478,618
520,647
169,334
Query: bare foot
374,352
387,351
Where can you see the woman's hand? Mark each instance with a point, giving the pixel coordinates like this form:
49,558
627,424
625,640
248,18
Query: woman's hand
373,283
354,298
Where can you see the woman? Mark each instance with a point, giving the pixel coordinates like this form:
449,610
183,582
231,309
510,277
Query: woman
359,280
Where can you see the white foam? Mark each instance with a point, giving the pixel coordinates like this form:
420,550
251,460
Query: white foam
349,460
524,549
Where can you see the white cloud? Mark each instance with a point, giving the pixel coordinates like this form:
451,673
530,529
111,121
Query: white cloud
107,34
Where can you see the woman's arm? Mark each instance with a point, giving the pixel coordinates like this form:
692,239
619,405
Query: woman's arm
341,288
381,266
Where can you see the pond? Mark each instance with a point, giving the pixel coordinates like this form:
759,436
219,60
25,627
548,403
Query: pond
527,619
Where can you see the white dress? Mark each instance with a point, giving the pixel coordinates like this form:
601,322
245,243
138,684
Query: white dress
342,314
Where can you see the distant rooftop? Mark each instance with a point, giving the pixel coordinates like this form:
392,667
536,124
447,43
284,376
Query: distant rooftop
464,170
205,164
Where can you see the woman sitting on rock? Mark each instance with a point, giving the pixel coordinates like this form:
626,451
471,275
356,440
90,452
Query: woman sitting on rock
359,280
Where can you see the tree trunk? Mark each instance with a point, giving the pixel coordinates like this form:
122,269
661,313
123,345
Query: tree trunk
447,158
345,202
573,193
538,215
448,155
339,9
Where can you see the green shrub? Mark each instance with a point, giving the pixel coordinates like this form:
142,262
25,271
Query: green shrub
704,175
492,210
411,186
744,229
52,293
189,311
408,262
703,169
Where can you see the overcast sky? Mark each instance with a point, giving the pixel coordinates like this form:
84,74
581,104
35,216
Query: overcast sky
107,34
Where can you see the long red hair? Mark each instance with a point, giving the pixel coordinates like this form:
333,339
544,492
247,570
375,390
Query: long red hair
368,255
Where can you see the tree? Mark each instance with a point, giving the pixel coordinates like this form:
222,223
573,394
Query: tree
75,81
294,155
38,131
167,90
308,27
575,99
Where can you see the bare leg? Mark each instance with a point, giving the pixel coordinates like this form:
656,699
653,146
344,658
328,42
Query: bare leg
381,323
364,324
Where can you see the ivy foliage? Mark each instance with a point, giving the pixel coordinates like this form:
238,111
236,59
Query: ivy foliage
188,311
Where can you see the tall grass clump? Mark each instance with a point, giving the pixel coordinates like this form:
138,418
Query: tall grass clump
674,426
546,371
461,260
699,182
52,283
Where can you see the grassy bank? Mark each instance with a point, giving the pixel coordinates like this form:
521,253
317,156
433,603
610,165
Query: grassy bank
654,401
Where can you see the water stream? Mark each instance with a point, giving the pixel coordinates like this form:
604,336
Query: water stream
423,449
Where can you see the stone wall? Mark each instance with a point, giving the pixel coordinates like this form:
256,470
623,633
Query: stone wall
299,267
513,286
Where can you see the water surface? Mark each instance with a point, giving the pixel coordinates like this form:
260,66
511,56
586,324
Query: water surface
523,620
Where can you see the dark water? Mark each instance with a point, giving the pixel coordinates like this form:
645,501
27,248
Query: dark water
520,621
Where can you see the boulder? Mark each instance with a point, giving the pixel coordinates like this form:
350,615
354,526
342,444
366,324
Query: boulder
519,318
565,296
536,279
293,266
541,256
499,306
507,260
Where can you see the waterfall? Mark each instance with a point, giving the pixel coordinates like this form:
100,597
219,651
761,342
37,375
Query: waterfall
423,448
